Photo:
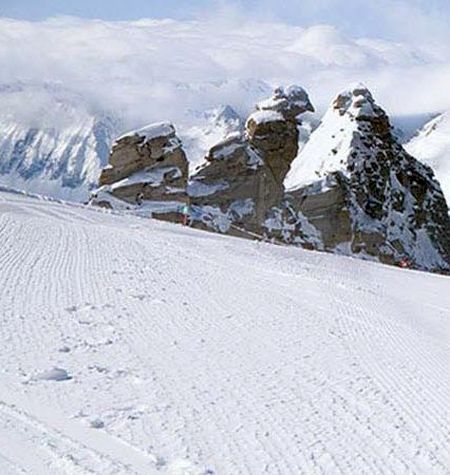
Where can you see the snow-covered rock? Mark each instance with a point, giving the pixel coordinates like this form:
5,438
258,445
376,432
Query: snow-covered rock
146,166
353,189
363,193
243,175
290,101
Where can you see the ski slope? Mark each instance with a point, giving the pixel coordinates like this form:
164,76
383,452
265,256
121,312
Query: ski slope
131,346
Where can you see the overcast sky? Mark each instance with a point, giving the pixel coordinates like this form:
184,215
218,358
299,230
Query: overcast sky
389,19
398,48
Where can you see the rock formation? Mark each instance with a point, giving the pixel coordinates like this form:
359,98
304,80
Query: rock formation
147,170
243,175
355,190
352,190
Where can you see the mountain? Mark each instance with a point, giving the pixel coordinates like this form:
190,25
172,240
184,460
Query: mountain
240,179
208,128
55,148
355,190
431,145
54,141
134,346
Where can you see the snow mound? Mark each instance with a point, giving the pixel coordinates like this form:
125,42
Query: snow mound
54,374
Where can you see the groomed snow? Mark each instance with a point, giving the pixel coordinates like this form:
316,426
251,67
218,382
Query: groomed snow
193,353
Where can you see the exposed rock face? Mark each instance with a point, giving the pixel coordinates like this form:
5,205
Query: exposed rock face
147,168
243,176
359,192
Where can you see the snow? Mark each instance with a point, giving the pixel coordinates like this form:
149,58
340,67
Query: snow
207,129
432,146
326,151
55,374
197,188
192,352
153,176
150,132
145,209
264,116
254,160
225,151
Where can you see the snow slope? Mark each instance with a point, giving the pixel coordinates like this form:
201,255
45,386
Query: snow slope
432,146
326,150
131,346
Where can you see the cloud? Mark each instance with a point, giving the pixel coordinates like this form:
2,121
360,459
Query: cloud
411,20
164,69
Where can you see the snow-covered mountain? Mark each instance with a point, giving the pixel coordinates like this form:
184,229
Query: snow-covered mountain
209,128
58,146
432,146
362,193
133,346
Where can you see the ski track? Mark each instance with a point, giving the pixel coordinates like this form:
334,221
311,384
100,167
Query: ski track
228,356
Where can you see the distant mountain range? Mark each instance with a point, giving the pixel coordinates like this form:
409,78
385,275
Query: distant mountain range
60,146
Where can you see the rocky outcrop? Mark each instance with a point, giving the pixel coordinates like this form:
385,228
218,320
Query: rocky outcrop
360,193
243,175
352,189
147,170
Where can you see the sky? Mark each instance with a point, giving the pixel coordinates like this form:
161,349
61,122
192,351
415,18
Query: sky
389,19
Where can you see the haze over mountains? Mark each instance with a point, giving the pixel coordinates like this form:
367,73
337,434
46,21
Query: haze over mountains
69,86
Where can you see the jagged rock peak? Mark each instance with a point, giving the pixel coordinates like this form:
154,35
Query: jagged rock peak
357,101
362,192
351,129
243,175
289,101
